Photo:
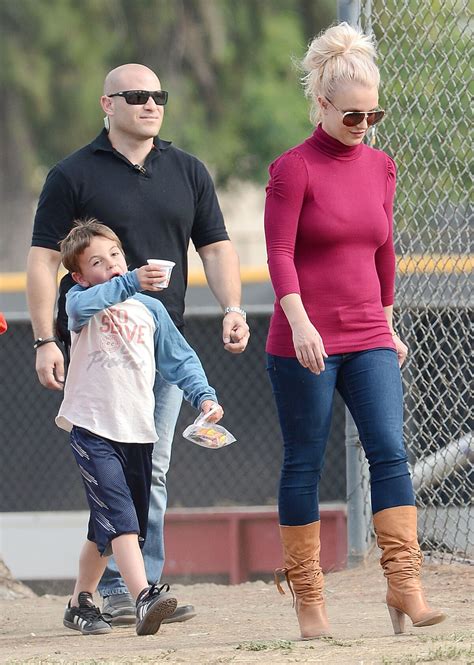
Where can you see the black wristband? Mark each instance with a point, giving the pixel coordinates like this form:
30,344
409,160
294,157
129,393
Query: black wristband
40,341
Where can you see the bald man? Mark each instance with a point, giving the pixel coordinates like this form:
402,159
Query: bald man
156,198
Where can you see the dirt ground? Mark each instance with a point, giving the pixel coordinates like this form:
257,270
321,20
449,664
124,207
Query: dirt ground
252,623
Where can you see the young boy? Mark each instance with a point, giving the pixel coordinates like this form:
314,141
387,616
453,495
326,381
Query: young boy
120,338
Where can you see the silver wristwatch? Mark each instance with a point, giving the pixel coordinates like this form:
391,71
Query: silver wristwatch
239,310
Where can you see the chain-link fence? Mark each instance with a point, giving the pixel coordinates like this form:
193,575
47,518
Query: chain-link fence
424,57
38,472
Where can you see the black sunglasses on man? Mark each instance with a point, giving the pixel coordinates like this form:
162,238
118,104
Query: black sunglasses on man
136,97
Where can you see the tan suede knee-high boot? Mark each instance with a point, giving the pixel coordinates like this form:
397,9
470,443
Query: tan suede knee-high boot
304,576
401,561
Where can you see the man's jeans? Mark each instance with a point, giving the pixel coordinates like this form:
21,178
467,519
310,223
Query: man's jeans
168,399
370,385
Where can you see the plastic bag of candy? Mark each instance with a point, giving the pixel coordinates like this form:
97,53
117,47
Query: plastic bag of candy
208,435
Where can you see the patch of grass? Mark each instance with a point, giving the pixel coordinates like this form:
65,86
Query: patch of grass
450,653
265,646
442,654
452,637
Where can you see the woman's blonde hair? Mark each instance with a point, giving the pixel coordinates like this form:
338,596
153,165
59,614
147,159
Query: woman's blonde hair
341,54
79,238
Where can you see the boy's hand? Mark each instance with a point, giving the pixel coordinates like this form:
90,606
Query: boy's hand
207,405
149,275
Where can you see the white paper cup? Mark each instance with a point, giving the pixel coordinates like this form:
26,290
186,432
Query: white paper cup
166,265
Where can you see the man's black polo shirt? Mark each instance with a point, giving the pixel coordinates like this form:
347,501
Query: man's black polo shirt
155,211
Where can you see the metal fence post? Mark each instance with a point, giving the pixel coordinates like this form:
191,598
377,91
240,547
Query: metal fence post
349,11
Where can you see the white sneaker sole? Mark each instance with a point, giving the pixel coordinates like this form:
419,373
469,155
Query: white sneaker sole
97,631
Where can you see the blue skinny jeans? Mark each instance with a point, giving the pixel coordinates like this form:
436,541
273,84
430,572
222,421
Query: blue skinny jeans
370,384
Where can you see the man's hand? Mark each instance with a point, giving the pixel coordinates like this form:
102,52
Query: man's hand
221,265
50,366
235,332
41,284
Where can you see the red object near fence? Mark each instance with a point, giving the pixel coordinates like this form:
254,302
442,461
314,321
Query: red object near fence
241,543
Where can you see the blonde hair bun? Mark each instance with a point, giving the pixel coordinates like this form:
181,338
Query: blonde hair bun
338,40
339,54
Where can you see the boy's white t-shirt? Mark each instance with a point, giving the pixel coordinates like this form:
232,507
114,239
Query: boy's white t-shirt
109,386
120,339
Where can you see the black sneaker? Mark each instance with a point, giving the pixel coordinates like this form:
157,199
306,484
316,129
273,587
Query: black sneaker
153,605
87,617
121,608
181,613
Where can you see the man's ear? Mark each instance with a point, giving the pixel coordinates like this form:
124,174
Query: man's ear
77,277
107,105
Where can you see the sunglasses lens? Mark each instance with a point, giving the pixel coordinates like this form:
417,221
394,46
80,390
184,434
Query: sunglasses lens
375,117
160,97
353,119
136,97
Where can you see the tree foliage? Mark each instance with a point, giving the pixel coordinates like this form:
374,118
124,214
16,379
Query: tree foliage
235,98
235,95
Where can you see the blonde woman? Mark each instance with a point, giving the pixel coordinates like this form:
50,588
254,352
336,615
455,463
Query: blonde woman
328,224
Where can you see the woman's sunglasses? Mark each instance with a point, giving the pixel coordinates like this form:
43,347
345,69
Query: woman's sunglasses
136,97
353,118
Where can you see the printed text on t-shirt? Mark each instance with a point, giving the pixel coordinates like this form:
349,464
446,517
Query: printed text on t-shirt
115,320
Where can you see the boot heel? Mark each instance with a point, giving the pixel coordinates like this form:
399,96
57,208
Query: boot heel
398,620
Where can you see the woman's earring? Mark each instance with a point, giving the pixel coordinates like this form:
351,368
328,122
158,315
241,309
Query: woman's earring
371,136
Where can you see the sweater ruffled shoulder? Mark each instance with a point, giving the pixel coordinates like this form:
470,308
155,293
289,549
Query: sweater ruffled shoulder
287,170
391,169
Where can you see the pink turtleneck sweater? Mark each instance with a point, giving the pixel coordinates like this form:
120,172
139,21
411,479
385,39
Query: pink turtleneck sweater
328,226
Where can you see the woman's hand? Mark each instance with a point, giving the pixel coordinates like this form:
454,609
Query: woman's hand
309,346
402,349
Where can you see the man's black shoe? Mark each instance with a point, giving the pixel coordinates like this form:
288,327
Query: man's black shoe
121,609
181,613
154,604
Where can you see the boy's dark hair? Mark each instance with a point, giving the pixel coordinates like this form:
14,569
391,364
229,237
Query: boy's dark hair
79,238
